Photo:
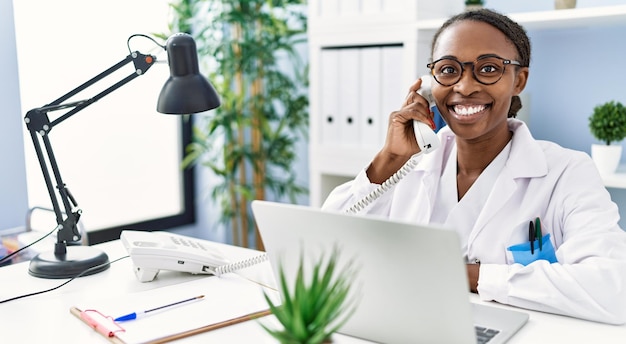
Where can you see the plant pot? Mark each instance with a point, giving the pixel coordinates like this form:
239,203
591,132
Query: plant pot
564,4
473,7
606,157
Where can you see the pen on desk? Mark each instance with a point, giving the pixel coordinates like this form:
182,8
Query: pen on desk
137,314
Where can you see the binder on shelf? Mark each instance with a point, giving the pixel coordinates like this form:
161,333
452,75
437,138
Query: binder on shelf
329,82
371,117
393,91
349,98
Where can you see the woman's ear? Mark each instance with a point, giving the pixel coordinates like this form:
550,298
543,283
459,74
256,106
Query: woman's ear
520,80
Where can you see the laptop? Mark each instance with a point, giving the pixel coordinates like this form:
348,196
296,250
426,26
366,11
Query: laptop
411,283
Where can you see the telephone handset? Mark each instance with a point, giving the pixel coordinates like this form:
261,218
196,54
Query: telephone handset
155,251
426,137
427,140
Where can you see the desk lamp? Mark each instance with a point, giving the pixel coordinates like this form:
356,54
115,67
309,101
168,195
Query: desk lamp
185,92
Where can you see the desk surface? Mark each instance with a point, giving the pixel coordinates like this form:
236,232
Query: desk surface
46,318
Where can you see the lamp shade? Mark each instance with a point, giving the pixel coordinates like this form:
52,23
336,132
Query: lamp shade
186,91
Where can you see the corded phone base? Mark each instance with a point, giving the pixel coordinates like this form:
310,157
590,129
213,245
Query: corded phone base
155,251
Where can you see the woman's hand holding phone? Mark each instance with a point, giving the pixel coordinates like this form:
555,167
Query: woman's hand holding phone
401,141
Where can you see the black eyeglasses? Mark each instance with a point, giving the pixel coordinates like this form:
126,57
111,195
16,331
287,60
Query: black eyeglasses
487,69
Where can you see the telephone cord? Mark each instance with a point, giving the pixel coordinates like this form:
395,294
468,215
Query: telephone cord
242,264
386,185
360,205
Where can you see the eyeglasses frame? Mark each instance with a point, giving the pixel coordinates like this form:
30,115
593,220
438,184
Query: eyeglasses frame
505,62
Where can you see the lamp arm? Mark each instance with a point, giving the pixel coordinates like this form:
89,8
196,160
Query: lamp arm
39,125
73,214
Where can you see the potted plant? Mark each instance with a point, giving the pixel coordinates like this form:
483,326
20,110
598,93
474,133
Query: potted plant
316,308
608,124
471,5
564,4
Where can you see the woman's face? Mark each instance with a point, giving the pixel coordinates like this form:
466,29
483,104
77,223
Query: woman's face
475,111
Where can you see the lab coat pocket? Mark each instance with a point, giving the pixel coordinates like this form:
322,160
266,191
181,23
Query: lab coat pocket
522,253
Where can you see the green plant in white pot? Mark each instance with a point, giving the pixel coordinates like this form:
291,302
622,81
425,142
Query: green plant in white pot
607,123
471,5
317,304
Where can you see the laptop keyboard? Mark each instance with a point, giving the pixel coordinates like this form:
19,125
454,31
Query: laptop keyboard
484,335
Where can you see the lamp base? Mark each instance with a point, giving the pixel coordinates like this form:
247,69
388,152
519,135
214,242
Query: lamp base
76,260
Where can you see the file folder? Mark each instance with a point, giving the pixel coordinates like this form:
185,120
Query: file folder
371,117
393,89
349,98
329,82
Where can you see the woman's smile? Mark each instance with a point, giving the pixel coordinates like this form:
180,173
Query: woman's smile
468,112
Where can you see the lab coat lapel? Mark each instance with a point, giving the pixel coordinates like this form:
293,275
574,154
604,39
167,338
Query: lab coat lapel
502,190
430,169
526,160
428,174
423,202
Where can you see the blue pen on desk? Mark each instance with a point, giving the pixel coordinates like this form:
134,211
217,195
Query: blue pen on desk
135,315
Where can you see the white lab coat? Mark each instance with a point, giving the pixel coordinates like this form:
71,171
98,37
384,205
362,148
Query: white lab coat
538,179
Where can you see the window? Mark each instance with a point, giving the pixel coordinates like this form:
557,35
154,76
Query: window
119,158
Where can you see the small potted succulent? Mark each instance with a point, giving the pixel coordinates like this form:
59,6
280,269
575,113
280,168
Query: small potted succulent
315,308
607,124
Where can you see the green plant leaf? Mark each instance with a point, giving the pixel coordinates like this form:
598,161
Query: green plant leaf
317,306
299,297
608,122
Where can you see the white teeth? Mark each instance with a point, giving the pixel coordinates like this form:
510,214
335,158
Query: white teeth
464,110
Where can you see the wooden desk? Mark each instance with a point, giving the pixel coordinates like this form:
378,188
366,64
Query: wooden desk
46,319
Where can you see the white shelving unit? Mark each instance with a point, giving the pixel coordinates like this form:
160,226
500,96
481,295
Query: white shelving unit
616,180
380,24
561,19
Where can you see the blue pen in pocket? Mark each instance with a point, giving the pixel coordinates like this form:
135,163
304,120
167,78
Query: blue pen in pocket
537,247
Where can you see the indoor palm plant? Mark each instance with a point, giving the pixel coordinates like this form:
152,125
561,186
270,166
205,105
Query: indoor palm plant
607,123
312,310
250,48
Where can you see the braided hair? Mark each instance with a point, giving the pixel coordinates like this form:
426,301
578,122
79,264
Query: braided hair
514,33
